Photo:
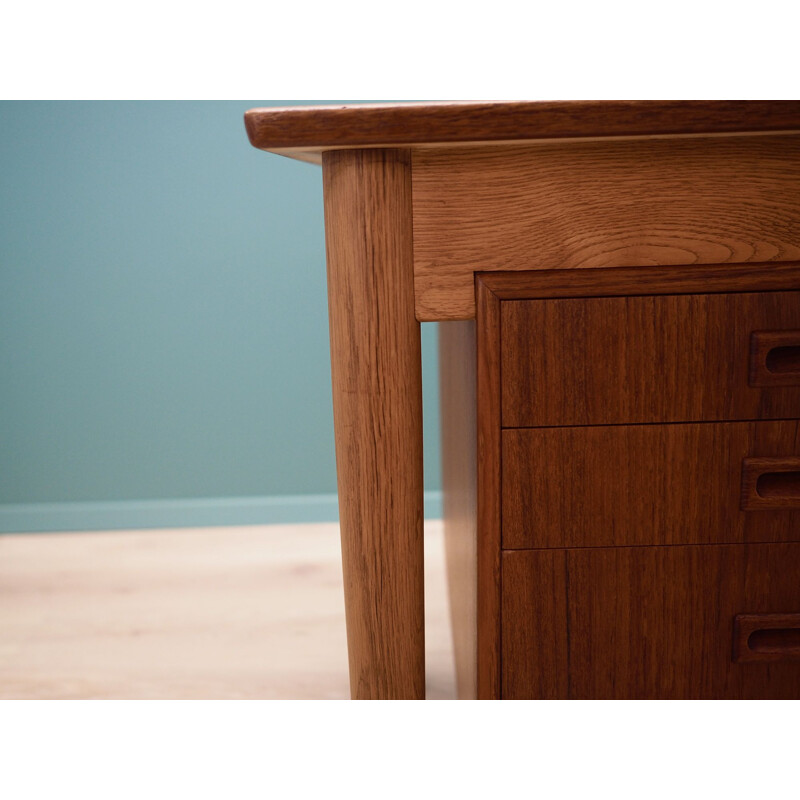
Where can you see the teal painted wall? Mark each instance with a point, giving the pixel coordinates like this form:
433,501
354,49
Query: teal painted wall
163,321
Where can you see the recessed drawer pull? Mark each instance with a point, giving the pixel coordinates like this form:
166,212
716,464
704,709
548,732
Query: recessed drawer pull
766,637
775,358
774,640
782,360
778,484
770,484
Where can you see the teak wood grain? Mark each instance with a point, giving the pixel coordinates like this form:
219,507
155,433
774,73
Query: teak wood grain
663,358
602,486
457,387
489,507
642,203
377,406
305,131
644,622
636,281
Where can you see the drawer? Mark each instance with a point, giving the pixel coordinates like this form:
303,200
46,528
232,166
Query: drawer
697,483
655,358
652,622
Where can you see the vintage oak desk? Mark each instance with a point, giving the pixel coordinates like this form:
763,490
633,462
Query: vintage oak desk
619,290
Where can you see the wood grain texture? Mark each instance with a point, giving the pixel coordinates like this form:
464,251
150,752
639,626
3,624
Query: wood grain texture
665,358
643,622
536,631
637,281
457,397
305,131
640,203
489,498
601,486
766,637
377,405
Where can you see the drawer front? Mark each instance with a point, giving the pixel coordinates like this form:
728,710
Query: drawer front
652,622
660,358
696,483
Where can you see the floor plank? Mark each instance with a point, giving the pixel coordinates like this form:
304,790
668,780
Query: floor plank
246,612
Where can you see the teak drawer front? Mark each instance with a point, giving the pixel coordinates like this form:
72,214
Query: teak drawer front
695,483
655,358
652,622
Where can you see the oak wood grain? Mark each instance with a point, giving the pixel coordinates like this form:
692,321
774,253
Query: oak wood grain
643,203
489,497
643,622
457,396
664,358
600,486
377,405
305,131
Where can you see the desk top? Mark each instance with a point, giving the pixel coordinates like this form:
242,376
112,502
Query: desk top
305,131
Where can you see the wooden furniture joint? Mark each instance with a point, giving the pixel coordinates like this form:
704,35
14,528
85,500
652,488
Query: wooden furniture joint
616,286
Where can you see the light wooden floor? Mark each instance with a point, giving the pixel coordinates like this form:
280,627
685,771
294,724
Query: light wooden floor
250,612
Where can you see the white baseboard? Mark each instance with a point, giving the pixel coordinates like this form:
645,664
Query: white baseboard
188,513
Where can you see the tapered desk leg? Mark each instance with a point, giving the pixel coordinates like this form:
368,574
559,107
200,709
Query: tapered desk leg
377,407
